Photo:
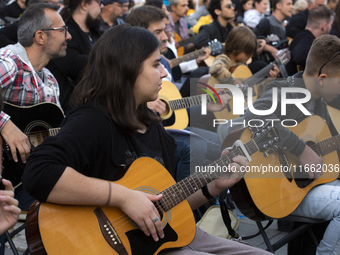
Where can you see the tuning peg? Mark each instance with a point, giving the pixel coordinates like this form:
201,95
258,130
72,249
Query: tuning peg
265,154
275,147
270,151
251,131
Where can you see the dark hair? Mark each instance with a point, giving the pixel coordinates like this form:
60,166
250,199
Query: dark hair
317,15
257,1
323,48
33,19
275,2
144,15
240,8
214,5
156,3
336,22
240,39
69,7
114,63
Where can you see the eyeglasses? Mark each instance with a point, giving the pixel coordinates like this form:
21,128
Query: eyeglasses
336,54
65,28
230,5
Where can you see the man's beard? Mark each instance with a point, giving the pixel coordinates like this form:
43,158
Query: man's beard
91,23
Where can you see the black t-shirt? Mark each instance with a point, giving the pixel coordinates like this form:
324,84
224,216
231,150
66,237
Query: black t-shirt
13,11
91,143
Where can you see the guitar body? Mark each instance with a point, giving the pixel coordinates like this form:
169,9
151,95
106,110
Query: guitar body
209,61
35,121
180,49
276,194
334,113
64,229
241,72
177,119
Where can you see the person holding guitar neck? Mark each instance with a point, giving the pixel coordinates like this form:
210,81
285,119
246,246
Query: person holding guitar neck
321,77
169,52
75,168
240,45
177,23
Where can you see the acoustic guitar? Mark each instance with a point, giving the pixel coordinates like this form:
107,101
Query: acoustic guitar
37,121
65,229
278,192
215,47
334,113
176,115
242,72
181,43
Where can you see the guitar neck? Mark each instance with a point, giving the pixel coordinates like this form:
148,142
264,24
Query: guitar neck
185,188
186,57
192,101
259,76
329,145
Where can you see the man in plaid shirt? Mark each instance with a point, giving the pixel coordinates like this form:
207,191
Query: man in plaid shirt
42,35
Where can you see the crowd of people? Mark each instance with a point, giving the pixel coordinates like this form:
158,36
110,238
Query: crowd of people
102,63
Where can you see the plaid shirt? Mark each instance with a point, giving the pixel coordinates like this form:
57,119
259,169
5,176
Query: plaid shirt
21,84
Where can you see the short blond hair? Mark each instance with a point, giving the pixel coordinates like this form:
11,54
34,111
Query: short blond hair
299,5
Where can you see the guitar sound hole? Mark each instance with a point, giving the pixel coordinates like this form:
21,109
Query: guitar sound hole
158,206
167,109
37,135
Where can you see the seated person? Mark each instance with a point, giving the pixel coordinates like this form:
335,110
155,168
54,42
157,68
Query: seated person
222,12
321,79
240,45
252,17
273,25
244,5
111,106
319,23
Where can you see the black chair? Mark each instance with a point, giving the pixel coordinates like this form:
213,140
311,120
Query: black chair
304,225
9,238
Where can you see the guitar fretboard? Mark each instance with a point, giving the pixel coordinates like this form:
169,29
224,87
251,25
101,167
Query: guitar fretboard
186,57
329,145
183,189
259,76
188,102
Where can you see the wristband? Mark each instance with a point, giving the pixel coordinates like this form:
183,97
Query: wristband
206,193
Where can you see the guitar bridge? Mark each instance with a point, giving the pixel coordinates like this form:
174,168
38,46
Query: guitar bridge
109,232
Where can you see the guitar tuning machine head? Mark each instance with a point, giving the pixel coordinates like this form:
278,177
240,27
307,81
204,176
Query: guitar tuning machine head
270,151
265,154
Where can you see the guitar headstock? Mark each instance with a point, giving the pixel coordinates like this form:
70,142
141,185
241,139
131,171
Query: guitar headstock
266,138
283,57
216,47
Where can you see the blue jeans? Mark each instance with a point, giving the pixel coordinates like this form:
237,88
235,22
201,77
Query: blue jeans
323,202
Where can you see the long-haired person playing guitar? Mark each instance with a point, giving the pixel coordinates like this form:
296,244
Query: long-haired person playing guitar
110,128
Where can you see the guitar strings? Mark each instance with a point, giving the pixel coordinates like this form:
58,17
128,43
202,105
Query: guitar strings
120,222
